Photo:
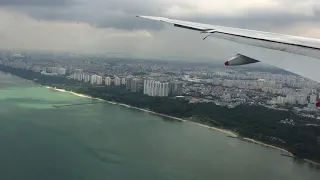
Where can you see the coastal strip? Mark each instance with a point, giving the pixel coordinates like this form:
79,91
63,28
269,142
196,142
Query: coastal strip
145,110
209,127
312,162
228,132
268,145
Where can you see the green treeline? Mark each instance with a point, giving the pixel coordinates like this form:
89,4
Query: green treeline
255,122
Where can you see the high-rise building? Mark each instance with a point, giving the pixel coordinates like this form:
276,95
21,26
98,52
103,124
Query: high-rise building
117,81
62,71
86,78
302,99
291,99
77,75
57,70
164,89
128,83
176,88
36,69
93,79
135,85
99,79
313,98
155,88
140,85
123,81
48,69
107,81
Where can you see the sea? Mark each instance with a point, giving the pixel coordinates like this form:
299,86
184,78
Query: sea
110,142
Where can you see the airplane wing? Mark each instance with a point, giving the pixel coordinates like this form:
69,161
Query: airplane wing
298,55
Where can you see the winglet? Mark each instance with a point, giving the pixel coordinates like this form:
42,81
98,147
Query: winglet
155,18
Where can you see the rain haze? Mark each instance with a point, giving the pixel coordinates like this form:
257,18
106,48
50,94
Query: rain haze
100,26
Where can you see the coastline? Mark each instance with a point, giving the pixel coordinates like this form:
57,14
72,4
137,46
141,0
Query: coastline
227,132
268,145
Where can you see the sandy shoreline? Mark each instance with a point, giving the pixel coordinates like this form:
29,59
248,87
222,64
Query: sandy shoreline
312,162
268,145
228,132
145,110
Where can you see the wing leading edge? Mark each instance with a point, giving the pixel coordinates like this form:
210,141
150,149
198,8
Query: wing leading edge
299,55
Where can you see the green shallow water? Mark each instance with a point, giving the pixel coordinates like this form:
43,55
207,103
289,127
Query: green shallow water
105,141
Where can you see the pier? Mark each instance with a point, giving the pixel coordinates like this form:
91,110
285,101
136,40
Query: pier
76,104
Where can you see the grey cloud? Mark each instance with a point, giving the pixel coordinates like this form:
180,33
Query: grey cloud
128,23
120,14
34,2
255,17
97,17
316,10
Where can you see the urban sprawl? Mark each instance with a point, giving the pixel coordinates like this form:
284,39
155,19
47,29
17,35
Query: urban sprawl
224,86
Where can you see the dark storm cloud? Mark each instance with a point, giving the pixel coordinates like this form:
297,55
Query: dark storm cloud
34,2
120,14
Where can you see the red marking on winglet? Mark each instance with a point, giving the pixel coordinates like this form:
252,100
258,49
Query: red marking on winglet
318,104
226,63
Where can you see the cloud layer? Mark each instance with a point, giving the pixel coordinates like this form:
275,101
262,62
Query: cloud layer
34,2
111,25
120,14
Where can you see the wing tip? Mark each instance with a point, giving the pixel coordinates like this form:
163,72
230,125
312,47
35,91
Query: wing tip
142,16
150,17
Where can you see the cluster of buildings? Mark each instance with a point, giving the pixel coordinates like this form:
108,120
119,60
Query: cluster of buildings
225,86
255,88
79,75
296,98
147,86
51,71
155,88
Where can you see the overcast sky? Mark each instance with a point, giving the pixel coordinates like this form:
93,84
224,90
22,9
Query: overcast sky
111,25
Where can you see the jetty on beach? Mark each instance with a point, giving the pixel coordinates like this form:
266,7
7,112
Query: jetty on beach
76,104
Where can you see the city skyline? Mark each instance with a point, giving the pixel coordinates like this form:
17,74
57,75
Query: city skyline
198,83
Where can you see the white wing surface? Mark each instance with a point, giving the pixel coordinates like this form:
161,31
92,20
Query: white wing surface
299,55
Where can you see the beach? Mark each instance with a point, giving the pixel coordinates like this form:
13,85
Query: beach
268,145
228,132
145,110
